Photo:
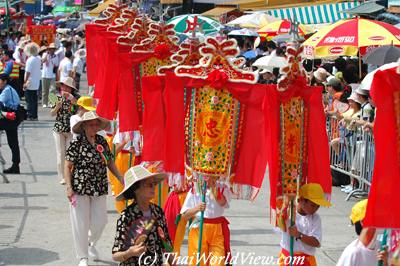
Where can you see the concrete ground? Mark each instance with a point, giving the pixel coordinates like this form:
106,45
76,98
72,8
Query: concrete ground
34,213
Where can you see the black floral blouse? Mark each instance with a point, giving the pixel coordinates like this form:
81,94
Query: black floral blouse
64,114
89,174
155,238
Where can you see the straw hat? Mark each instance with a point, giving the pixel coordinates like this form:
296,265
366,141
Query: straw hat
313,192
52,46
42,49
68,81
321,74
358,211
88,116
86,102
136,174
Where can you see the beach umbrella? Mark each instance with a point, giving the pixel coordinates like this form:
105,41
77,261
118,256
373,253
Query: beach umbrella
255,20
382,55
270,61
281,27
243,32
349,37
208,25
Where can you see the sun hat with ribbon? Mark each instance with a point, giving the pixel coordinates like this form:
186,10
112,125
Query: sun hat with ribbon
86,102
358,211
88,116
314,192
68,81
135,174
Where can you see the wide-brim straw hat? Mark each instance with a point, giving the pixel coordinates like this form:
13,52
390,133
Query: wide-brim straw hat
52,46
68,81
321,74
88,116
135,174
42,49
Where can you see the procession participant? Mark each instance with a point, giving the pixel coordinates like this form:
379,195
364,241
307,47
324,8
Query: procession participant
63,110
154,241
49,66
85,170
364,249
9,101
11,68
215,239
32,80
85,104
307,229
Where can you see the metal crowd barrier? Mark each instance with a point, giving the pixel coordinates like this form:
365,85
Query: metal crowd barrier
352,152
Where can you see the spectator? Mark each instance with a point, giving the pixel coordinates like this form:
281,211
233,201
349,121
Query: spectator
20,58
319,77
49,66
32,80
9,102
78,66
11,68
65,67
367,112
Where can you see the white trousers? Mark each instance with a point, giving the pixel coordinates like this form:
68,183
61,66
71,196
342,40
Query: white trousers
88,219
62,142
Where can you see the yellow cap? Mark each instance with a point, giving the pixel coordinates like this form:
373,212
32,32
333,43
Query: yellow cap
314,193
86,102
358,211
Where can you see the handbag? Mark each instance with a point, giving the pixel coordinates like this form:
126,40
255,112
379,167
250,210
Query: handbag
20,114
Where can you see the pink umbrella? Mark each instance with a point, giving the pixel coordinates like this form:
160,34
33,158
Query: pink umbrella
11,11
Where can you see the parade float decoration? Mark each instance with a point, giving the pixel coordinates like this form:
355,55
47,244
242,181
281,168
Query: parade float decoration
297,136
386,97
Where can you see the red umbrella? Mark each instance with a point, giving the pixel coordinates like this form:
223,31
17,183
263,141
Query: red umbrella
11,11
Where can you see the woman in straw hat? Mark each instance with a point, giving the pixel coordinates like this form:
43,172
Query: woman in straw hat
63,109
86,163
134,243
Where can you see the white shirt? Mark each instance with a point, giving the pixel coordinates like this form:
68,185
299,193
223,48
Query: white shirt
60,53
11,44
48,66
33,67
78,65
213,209
309,225
119,137
357,254
20,57
65,67
72,122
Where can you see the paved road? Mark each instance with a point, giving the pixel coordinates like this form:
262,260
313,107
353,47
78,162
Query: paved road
34,213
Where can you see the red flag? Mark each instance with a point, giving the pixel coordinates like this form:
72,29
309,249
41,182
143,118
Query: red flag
153,118
383,209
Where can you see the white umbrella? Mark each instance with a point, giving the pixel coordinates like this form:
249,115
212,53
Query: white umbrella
255,20
367,81
243,32
270,61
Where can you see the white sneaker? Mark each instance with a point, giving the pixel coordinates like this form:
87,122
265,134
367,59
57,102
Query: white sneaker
44,106
93,252
83,262
62,182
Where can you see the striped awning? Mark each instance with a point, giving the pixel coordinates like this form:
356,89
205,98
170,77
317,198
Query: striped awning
315,14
